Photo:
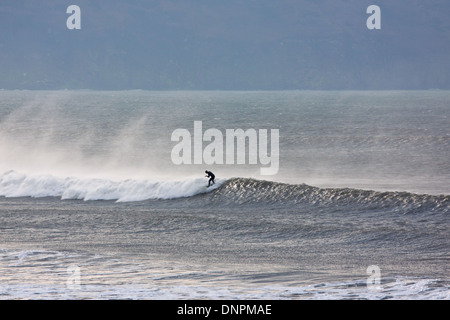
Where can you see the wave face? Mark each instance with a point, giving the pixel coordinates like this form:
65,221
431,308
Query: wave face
243,190
233,191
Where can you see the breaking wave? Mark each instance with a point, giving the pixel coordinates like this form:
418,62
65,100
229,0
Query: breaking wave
15,184
226,191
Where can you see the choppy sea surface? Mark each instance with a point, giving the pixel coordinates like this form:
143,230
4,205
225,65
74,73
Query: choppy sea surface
92,205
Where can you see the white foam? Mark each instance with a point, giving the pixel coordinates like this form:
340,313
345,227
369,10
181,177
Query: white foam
400,288
421,289
42,274
15,184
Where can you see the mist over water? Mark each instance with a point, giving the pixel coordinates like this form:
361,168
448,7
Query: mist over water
371,140
78,133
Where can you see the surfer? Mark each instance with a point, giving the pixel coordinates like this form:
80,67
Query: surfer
211,177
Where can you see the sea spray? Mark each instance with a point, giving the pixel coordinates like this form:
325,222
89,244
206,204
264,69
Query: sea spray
15,184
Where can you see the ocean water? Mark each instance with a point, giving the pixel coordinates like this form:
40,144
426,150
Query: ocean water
92,205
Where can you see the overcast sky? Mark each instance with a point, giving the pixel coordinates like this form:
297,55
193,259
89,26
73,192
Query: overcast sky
224,45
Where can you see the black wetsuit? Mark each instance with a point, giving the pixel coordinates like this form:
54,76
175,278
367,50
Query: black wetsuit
211,177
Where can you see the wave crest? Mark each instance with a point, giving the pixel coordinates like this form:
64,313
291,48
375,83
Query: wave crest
14,184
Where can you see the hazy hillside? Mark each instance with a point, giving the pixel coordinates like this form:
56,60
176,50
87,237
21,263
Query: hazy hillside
218,44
